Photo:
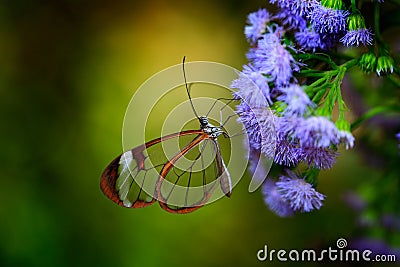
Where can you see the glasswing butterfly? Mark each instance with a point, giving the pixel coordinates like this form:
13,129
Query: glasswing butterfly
182,182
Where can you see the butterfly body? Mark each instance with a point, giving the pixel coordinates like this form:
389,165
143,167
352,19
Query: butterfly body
209,129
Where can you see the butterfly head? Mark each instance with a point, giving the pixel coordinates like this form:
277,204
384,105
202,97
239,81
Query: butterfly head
203,121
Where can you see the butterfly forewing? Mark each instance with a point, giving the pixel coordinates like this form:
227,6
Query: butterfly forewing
130,179
134,176
182,180
122,180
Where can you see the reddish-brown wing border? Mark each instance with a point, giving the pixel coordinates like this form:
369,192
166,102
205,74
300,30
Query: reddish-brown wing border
168,166
110,174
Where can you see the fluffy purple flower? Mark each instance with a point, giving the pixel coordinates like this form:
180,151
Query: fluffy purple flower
356,37
259,124
274,200
346,138
259,79
297,7
278,2
317,131
302,7
328,20
273,59
286,125
251,54
268,41
296,99
248,91
292,21
258,22
309,39
319,157
300,194
286,152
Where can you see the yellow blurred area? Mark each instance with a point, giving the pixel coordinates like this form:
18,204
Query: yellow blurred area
67,72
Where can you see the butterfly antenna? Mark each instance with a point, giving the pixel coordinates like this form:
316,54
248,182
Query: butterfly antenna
187,88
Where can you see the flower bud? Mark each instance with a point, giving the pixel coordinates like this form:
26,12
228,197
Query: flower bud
334,4
385,65
367,62
355,22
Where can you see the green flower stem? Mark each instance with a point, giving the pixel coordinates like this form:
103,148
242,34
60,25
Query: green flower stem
376,22
354,6
333,95
319,56
311,73
311,176
373,112
317,85
325,74
341,56
317,90
318,96
349,64
340,101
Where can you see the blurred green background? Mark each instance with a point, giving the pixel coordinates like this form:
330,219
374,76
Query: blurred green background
67,72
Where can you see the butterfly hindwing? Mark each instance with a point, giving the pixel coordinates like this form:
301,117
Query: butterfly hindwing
188,181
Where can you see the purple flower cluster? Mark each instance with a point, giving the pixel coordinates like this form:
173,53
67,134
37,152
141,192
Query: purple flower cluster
356,37
311,40
287,153
300,194
257,24
301,135
319,25
317,131
297,7
275,201
260,130
311,140
290,194
291,20
328,20
296,100
272,58
357,32
259,79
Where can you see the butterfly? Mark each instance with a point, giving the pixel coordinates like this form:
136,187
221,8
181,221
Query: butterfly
182,182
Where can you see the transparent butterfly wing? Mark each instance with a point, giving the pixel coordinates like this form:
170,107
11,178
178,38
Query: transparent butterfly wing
138,177
191,177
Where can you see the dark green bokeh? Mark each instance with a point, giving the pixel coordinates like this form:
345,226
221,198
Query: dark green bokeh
67,72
